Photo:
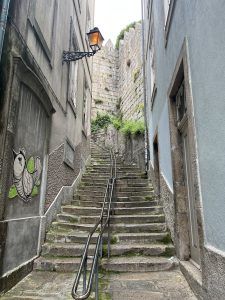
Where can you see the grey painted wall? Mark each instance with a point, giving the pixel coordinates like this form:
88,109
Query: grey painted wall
164,151
198,22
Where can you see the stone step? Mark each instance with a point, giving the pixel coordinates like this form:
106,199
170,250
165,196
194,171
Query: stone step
54,264
145,249
118,199
90,211
118,228
141,237
86,203
66,250
90,193
135,193
88,189
81,237
70,237
76,250
67,218
133,219
137,264
134,189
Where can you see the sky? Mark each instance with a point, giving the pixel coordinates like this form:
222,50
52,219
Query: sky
111,16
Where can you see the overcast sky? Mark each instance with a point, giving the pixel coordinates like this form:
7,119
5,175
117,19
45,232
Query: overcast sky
111,16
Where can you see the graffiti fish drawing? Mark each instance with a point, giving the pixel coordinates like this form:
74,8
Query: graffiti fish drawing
26,176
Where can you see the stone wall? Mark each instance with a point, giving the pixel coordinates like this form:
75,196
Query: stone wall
131,74
105,80
118,79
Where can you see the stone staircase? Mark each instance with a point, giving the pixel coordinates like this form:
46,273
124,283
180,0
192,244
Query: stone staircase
139,238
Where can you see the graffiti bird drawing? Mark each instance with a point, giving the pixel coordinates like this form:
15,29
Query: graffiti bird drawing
26,176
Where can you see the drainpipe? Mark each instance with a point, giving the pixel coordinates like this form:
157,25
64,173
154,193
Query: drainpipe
145,100
3,21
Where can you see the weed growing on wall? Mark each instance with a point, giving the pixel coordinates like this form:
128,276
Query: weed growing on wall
131,127
101,121
127,127
122,32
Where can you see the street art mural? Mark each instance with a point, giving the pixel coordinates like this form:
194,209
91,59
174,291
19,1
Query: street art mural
26,176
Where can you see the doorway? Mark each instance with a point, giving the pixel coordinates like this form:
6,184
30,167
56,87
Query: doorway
185,145
188,228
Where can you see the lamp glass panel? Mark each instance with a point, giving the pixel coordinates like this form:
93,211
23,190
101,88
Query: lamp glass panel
93,38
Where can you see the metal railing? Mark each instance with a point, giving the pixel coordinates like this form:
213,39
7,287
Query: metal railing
103,223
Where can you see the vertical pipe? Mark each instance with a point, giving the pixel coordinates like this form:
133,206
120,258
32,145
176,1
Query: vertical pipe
85,275
96,279
3,22
144,75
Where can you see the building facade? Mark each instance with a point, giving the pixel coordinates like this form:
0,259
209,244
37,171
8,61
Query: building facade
184,79
45,108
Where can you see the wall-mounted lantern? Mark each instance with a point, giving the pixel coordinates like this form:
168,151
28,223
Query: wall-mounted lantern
95,40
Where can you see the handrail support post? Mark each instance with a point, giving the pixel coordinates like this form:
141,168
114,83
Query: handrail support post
96,280
85,275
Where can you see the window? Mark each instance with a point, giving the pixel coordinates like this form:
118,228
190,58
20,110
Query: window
181,107
73,71
166,9
168,12
152,65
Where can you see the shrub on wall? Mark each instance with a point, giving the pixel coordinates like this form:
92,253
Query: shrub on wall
101,121
127,127
122,32
134,128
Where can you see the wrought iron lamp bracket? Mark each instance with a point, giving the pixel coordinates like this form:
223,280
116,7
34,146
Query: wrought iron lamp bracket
75,55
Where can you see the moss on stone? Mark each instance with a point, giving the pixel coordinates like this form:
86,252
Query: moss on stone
167,239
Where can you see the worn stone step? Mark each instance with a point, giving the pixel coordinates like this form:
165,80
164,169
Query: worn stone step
135,198
71,226
77,210
94,181
90,193
65,249
54,264
126,219
71,237
117,228
90,211
141,249
86,203
144,227
83,189
134,193
67,218
141,237
76,250
97,177
134,189
137,264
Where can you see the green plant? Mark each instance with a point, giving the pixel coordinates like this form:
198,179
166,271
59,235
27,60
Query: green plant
98,101
117,123
122,32
101,121
136,73
131,127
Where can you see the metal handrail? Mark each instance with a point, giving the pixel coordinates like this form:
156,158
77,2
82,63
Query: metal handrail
98,248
